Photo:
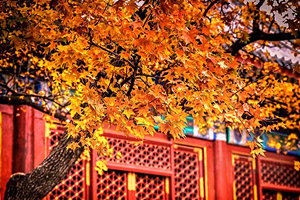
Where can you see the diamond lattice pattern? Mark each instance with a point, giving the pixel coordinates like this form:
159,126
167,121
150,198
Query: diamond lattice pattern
272,195
150,187
243,177
135,153
186,174
282,174
269,195
112,185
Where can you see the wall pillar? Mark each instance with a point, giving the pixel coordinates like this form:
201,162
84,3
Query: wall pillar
39,134
6,145
23,139
221,166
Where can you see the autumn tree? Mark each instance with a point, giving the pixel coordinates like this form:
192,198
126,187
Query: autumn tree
125,63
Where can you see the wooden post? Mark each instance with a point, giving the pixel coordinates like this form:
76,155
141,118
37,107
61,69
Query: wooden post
172,192
131,185
221,166
6,146
38,137
23,148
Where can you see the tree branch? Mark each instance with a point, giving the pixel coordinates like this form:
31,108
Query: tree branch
209,7
92,43
38,183
132,80
29,95
259,35
15,100
256,16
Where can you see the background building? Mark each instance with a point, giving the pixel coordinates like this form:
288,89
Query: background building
211,165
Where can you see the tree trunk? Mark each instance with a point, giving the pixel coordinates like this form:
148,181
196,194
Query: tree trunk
38,183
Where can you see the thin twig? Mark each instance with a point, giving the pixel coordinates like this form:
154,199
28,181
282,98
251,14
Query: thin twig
209,7
29,95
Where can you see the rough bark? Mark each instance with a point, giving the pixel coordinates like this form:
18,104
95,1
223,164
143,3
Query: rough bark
259,35
38,183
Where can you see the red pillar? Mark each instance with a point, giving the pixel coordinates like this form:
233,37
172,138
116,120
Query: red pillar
6,146
23,139
221,167
39,142
131,185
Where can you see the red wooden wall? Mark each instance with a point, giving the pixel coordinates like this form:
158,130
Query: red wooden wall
158,168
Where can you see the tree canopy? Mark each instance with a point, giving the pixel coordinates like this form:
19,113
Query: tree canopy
132,64
126,63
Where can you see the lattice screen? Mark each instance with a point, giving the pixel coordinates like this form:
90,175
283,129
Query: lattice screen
186,174
273,195
54,137
269,195
243,177
290,196
150,187
74,185
146,155
112,185
277,173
